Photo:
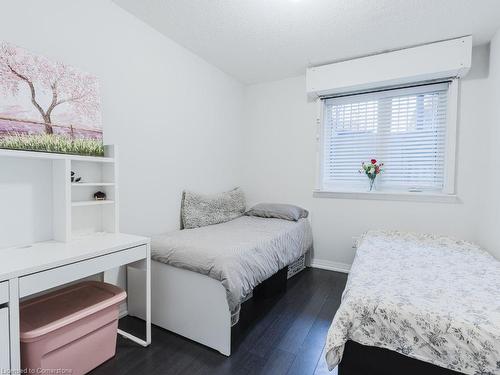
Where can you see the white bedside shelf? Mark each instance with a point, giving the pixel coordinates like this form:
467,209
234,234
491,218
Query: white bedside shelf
91,203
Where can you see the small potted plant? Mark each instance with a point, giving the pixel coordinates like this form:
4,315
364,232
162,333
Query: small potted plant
372,169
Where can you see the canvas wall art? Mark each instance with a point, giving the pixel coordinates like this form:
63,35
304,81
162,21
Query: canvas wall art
47,106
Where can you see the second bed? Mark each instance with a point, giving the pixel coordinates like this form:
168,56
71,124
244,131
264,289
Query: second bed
431,298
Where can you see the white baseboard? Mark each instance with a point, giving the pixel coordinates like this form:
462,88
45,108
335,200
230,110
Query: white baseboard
330,266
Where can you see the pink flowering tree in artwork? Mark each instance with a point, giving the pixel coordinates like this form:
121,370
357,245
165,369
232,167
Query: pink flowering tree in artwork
38,74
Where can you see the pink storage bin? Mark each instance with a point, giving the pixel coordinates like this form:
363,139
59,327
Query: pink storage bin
72,330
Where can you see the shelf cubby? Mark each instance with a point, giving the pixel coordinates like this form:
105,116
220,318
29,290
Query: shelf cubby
88,214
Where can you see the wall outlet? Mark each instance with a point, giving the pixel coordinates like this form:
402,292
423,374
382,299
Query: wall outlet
355,242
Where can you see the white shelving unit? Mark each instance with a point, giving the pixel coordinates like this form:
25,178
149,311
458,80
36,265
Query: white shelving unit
80,237
75,213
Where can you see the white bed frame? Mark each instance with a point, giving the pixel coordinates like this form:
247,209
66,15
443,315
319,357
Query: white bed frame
185,302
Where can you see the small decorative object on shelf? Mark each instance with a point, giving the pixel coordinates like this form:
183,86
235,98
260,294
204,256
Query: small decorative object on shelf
372,169
100,196
74,178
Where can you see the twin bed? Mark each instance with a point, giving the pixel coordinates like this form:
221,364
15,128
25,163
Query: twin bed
418,304
201,276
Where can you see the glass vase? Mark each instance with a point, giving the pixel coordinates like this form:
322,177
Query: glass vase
372,183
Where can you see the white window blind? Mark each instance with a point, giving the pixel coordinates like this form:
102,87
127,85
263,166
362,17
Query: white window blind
403,128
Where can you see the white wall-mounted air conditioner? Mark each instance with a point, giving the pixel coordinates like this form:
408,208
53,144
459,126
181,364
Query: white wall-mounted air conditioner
446,59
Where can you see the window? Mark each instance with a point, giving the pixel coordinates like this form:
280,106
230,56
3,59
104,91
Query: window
408,129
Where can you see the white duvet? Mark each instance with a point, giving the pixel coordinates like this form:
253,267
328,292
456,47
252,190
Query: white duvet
428,297
240,253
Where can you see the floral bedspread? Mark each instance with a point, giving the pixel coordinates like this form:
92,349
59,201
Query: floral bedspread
429,297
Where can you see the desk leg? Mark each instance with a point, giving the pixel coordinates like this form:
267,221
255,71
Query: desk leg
148,294
15,346
129,336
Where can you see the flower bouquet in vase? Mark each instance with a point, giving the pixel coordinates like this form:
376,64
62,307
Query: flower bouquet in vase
372,169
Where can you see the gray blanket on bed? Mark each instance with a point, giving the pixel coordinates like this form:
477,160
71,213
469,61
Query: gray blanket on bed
240,253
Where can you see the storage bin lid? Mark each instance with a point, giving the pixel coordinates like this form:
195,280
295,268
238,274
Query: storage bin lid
44,314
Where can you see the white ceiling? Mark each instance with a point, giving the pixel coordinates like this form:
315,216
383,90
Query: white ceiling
264,40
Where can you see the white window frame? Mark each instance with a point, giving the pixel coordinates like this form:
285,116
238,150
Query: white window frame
448,194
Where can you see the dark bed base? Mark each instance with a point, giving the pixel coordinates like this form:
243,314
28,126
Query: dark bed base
369,360
265,296
273,286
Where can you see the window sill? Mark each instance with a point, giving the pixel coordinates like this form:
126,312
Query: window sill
388,195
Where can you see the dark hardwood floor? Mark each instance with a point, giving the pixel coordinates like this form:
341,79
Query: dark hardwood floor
280,335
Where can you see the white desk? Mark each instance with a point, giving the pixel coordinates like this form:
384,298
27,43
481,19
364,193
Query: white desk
41,266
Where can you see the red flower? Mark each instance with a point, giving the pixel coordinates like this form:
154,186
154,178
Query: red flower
374,161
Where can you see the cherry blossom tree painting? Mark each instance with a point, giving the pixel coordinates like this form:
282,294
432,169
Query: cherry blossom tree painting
47,106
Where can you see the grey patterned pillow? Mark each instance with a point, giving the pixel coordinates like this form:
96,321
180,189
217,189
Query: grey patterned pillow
199,210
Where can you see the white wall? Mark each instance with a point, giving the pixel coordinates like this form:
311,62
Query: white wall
175,118
25,201
280,160
490,194
177,121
